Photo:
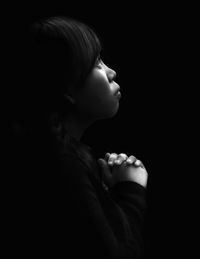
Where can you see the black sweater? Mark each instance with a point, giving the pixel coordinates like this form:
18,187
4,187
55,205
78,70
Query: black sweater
61,209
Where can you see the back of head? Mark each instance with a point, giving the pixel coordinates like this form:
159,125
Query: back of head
58,54
62,53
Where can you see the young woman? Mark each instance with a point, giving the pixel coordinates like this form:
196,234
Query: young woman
74,204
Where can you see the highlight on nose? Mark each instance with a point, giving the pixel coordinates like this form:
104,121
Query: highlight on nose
111,74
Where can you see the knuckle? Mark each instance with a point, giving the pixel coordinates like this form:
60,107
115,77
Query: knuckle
123,155
137,162
131,159
107,155
113,156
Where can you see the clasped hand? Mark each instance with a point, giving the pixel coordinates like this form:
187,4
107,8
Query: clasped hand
117,168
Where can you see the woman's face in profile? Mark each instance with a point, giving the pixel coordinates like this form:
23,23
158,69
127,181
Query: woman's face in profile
99,97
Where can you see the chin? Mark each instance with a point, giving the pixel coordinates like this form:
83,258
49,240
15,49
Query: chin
115,111
106,113
111,114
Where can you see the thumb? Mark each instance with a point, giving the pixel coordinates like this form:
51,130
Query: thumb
106,173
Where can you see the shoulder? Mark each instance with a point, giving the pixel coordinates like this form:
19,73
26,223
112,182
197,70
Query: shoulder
76,172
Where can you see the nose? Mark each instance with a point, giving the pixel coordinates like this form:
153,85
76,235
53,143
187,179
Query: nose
111,74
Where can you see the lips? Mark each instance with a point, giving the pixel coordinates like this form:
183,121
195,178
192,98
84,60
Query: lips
118,94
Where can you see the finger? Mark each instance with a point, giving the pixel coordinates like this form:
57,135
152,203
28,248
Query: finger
112,158
120,159
131,159
138,163
107,155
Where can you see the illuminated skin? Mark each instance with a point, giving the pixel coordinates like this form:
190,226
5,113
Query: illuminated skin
97,99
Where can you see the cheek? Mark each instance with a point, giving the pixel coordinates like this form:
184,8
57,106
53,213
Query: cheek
98,100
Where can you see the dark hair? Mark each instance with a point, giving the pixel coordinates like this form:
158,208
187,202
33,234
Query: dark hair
59,54
63,52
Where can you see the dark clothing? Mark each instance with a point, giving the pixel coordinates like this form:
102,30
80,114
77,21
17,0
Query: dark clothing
60,208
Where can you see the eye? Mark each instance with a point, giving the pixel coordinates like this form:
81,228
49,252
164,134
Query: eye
98,62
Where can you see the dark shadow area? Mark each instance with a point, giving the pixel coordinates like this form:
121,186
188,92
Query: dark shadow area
145,47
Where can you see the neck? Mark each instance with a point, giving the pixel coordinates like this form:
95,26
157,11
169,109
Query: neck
76,125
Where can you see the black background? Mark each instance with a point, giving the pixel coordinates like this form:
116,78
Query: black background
151,47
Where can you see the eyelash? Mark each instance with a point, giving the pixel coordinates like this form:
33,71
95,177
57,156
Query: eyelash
98,61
